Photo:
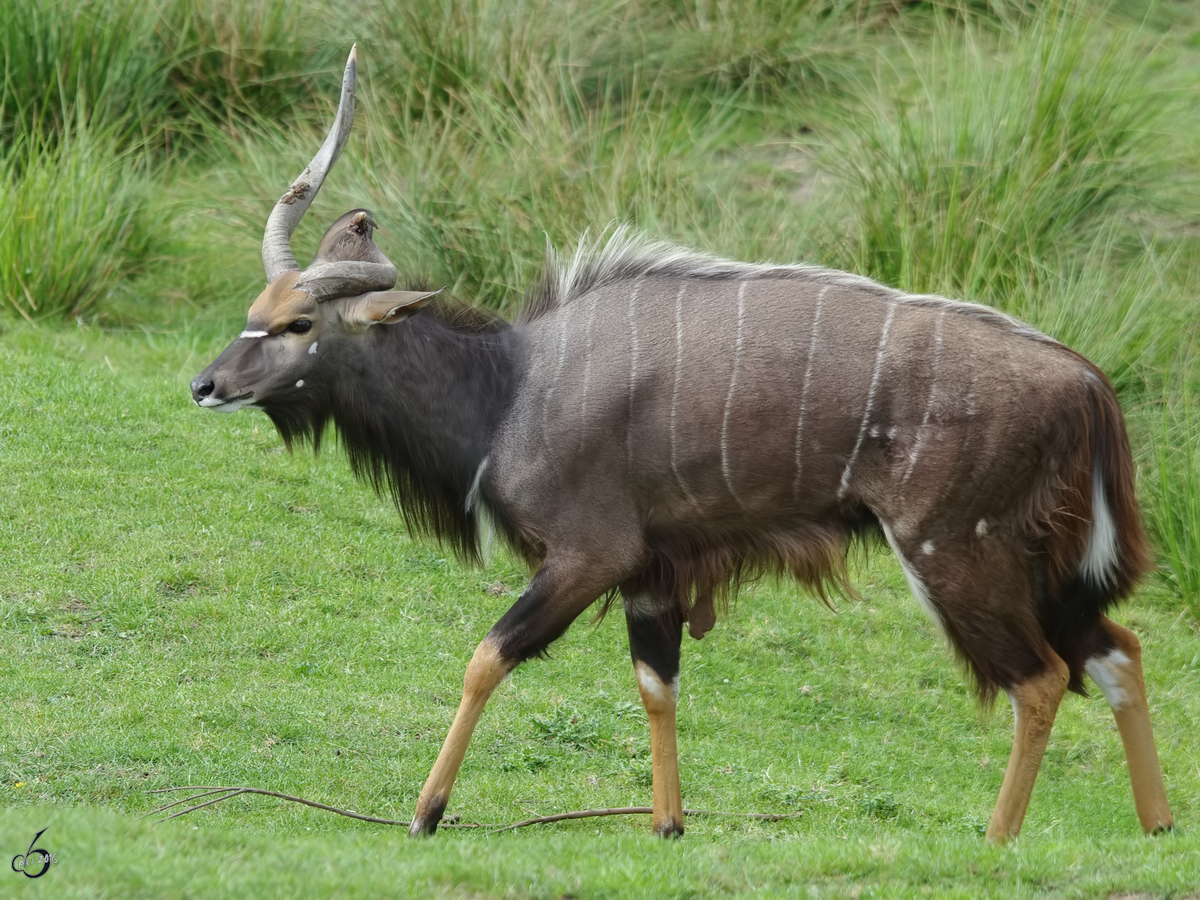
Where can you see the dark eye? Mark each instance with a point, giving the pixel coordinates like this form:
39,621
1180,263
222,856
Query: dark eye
300,326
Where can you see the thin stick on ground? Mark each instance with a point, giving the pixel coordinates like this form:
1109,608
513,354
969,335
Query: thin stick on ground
233,791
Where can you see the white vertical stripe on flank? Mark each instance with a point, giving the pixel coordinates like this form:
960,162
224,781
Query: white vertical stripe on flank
862,428
562,358
675,393
737,362
812,352
633,357
587,362
937,359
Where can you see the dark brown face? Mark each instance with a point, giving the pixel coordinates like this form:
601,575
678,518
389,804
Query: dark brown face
287,335
271,357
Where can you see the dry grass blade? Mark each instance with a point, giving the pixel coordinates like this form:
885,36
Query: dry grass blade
207,793
641,810
231,791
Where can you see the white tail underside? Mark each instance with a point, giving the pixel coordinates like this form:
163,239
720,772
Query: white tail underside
1100,559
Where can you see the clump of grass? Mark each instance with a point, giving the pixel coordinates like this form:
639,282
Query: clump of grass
979,179
234,60
758,49
1123,311
73,221
1175,517
65,59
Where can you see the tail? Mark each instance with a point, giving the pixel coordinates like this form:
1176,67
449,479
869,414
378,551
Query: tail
1095,547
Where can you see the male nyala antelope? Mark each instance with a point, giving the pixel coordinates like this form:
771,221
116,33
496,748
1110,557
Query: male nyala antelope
660,424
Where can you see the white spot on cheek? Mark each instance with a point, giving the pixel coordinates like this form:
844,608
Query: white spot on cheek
300,383
981,527
1105,672
927,547
313,348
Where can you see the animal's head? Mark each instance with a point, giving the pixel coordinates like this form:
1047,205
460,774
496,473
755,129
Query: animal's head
305,315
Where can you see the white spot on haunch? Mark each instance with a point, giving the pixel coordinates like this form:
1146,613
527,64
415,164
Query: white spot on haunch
927,548
1105,672
981,527
313,348
915,584
1100,558
812,352
862,428
737,362
300,383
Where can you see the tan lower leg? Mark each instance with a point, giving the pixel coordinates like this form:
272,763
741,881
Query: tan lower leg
659,699
1119,676
1035,703
486,670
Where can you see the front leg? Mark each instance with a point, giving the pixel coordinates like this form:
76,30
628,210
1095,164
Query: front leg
487,668
654,637
553,600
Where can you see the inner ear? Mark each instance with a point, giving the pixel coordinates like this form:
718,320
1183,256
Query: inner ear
383,307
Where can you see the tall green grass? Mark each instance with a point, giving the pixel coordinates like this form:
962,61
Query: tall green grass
1001,157
1175,514
76,220
235,60
65,60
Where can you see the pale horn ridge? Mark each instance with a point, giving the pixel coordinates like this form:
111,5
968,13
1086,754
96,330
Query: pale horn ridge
277,247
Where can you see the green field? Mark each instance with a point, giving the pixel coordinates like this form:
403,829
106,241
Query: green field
184,602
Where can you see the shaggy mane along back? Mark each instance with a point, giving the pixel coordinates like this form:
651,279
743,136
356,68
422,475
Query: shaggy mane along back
626,255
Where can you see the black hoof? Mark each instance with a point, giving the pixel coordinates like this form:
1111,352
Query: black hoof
422,828
669,830
425,820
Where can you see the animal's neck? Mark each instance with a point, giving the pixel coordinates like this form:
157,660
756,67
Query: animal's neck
417,412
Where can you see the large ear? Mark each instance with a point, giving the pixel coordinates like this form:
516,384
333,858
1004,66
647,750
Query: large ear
382,307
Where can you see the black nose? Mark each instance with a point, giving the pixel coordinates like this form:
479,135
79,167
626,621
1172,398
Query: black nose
202,387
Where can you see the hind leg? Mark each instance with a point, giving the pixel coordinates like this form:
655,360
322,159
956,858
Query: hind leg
981,592
1035,704
1118,674
654,636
